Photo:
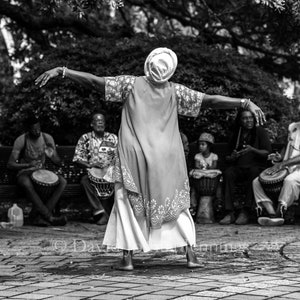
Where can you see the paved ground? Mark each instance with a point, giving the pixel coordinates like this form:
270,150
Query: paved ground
240,262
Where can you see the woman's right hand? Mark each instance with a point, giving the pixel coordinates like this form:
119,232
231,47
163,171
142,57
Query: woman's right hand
46,76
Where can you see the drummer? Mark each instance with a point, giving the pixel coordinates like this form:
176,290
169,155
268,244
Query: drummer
28,155
250,146
90,152
204,160
288,158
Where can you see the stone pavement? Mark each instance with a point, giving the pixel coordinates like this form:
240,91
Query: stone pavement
240,262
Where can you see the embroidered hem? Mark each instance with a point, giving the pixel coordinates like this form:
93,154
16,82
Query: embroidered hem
155,214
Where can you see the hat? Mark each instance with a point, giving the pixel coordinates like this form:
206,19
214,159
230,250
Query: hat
160,65
206,137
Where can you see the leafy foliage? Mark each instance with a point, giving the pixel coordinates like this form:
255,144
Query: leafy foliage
79,6
264,29
66,107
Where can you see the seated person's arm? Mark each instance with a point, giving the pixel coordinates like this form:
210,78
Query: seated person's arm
81,153
233,156
258,152
214,164
198,165
51,151
290,162
264,145
82,164
13,161
285,163
277,157
55,158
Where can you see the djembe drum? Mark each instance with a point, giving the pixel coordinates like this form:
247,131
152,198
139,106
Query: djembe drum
44,182
272,184
207,182
103,188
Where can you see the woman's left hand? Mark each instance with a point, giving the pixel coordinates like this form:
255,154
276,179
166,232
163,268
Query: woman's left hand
258,113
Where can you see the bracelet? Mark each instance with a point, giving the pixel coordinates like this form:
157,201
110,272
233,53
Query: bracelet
64,71
245,103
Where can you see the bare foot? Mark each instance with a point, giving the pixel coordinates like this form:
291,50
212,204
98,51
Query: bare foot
126,262
192,261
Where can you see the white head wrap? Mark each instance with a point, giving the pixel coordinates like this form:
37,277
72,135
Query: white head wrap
160,65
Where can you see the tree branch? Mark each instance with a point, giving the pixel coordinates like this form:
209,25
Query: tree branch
34,23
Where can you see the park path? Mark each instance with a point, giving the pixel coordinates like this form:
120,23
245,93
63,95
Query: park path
239,262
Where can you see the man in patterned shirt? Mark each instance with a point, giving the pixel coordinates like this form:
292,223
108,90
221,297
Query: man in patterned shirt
96,149
151,209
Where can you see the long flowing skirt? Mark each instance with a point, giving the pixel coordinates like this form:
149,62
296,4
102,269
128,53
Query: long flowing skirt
125,232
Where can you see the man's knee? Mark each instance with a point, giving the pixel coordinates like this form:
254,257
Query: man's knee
24,181
62,181
290,182
255,183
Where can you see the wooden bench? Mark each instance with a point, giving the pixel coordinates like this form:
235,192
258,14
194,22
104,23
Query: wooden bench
72,173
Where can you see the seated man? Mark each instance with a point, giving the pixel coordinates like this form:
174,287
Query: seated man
250,147
290,159
97,150
28,155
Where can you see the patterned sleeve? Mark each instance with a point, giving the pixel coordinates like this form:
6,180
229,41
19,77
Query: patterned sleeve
188,101
118,88
81,150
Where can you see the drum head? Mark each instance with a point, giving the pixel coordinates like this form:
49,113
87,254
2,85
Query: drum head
274,177
45,176
97,173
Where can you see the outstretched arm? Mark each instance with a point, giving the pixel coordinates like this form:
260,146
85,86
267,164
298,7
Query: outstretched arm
190,101
83,78
218,101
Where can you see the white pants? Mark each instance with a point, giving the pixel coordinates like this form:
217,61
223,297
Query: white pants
289,193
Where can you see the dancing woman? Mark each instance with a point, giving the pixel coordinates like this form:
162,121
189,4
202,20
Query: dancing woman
152,190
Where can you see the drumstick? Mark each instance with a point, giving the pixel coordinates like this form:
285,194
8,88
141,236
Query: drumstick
238,138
